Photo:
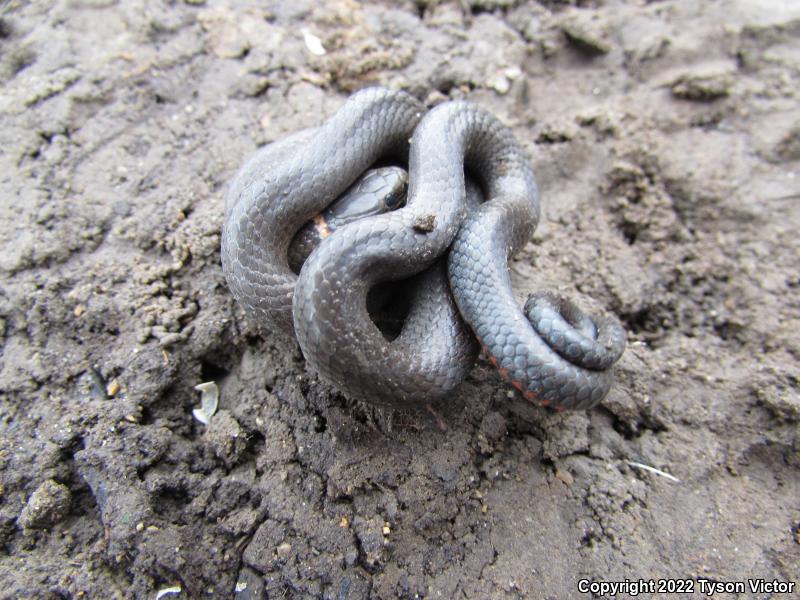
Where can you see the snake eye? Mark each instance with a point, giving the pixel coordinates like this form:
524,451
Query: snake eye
394,199
395,185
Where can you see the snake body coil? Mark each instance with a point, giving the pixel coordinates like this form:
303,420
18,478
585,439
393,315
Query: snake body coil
560,358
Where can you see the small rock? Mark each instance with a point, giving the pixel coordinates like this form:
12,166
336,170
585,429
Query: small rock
225,438
702,88
499,83
502,81
371,537
112,388
565,476
47,506
586,38
494,426
425,223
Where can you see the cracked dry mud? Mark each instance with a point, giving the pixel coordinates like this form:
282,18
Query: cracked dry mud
665,137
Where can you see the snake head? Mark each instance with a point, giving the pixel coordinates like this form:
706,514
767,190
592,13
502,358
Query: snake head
378,191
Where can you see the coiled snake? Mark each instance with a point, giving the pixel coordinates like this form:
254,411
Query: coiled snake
552,353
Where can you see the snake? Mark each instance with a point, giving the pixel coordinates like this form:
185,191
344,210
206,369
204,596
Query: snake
377,191
453,254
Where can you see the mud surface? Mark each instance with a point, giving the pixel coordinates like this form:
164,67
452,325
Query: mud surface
665,136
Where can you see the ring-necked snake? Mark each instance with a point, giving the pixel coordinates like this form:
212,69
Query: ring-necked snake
551,352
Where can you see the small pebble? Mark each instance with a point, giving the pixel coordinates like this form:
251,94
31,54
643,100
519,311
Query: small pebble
283,550
582,38
565,476
425,223
702,88
112,388
48,505
225,438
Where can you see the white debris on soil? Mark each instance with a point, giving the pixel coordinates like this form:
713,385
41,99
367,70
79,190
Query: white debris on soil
168,591
209,400
665,475
313,43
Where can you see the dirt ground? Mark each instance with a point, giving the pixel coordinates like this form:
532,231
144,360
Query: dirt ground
666,139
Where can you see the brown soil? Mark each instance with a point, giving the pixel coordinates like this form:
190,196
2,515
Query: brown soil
665,137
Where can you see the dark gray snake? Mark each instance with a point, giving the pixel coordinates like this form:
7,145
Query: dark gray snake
552,353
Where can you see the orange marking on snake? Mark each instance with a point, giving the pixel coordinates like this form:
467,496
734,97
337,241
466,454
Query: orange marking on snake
517,384
322,226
